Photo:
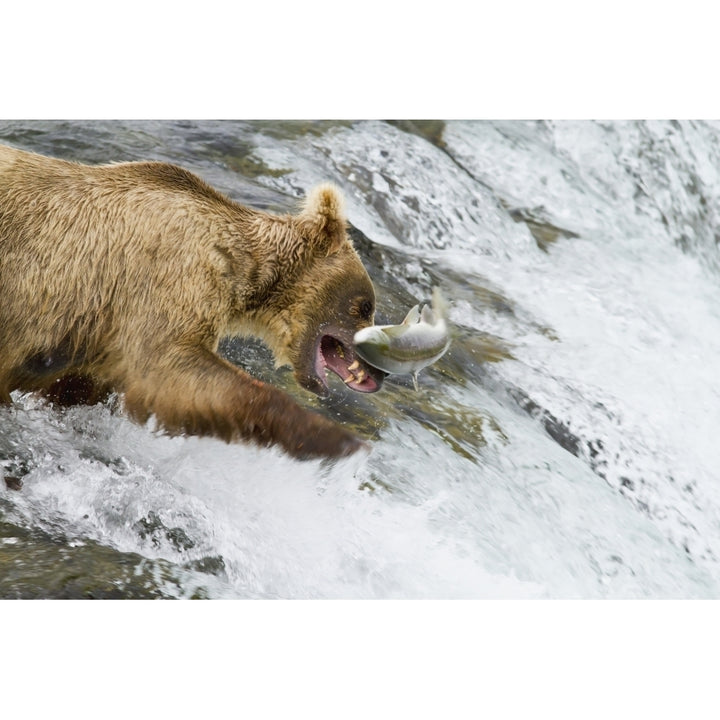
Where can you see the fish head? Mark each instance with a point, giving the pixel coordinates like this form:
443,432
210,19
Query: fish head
373,344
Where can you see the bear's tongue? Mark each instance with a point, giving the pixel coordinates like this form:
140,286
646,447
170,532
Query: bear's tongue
352,371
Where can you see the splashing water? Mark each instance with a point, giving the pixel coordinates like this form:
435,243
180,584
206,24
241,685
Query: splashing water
563,447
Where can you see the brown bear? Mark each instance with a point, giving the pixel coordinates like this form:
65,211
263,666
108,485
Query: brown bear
124,277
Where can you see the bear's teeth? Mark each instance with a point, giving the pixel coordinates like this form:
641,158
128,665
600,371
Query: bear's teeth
354,366
352,377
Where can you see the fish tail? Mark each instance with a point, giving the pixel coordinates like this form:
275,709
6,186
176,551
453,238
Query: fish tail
439,303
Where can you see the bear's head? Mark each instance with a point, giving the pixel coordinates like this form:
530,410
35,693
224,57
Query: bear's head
324,300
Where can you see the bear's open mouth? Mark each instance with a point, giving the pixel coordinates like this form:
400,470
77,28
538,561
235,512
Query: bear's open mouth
334,355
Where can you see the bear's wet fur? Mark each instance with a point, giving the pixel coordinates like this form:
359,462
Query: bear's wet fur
124,277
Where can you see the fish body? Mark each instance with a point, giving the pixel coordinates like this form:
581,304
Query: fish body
420,340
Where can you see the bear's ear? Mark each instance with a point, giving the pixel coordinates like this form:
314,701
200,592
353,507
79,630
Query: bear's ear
322,218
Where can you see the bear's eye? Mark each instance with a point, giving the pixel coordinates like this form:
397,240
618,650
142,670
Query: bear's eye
366,309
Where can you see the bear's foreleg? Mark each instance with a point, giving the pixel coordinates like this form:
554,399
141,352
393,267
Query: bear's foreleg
193,391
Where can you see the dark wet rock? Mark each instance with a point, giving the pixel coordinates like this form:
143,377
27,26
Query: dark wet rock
211,565
36,565
554,427
544,232
431,130
153,528
13,483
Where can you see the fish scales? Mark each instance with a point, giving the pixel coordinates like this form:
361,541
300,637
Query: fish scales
420,340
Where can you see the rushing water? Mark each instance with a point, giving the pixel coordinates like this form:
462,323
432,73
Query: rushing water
564,447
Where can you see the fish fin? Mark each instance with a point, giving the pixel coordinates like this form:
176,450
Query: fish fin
415,381
393,331
413,316
428,316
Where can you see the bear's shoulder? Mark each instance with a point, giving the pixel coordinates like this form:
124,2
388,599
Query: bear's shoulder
162,176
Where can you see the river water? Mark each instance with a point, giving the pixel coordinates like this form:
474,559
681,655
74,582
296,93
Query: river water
564,447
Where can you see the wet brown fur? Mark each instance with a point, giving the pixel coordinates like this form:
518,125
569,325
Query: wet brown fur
124,278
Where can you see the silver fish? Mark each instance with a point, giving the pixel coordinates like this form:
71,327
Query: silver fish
420,340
